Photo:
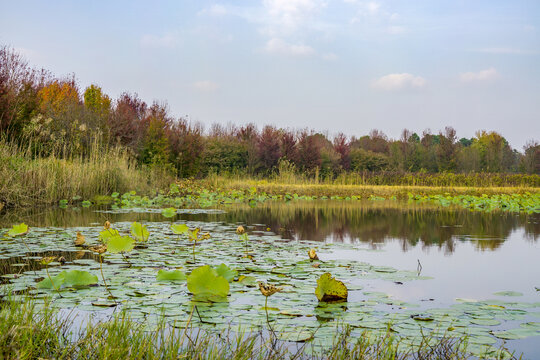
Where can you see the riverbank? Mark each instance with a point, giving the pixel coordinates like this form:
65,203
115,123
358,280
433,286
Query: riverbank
29,180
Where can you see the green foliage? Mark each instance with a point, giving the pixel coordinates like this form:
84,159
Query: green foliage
226,272
18,230
120,244
72,278
107,234
330,289
205,283
179,229
172,275
139,231
168,212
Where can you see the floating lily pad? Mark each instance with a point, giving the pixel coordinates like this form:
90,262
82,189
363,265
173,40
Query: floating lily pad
173,275
508,293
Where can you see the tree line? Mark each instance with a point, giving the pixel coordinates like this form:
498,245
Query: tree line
53,116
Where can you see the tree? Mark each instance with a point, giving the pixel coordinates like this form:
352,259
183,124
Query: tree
269,148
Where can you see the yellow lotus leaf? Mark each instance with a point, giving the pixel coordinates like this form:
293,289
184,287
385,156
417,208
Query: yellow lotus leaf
80,239
330,289
312,254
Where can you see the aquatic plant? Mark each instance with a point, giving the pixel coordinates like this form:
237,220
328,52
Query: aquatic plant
330,289
140,232
206,284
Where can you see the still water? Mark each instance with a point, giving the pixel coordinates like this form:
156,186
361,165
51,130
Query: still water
469,255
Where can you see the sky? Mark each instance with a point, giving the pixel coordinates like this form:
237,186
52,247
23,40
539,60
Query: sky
331,65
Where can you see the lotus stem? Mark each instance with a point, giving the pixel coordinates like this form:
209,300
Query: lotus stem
52,282
103,277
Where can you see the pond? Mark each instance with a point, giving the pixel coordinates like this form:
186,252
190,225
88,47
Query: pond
407,266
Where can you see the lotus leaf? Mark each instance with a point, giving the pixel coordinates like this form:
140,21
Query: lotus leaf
508,293
119,244
226,272
173,275
108,233
73,278
179,229
168,212
18,230
139,231
330,289
205,282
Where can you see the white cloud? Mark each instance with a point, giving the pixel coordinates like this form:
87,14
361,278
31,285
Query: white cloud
289,15
165,41
278,46
398,81
205,86
483,75
372,8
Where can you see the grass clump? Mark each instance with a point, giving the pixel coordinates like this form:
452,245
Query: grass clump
29,180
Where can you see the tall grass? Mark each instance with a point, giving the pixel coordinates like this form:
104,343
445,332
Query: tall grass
310,188
28,179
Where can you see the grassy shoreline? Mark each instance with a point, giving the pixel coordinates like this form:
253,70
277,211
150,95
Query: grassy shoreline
28,331
28,181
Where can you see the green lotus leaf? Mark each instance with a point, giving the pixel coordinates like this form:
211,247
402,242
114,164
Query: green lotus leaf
119,244
330,289
139,231
173,275
168,212
225,271
249,281
508,293
106,234
296,336
205,282
18,230
86,203
73,278
179,229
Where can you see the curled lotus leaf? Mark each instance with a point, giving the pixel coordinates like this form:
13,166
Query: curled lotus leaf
108,233
139,231
18,230
330,289
205,282
119,244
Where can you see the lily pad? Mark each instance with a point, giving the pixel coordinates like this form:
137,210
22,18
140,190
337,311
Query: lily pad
173,275
508,293
73,278
168,212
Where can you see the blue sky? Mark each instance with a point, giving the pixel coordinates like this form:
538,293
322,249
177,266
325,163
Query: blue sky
343,65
